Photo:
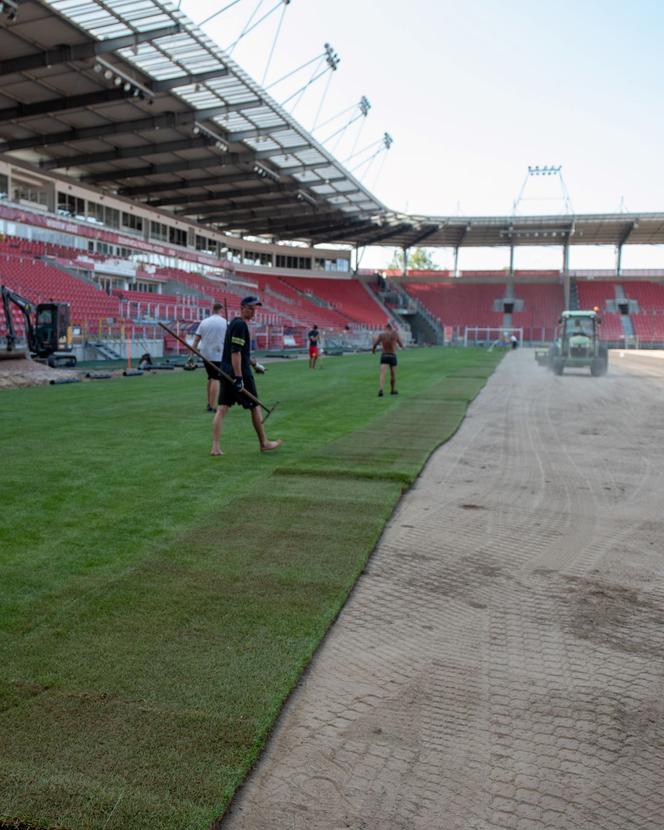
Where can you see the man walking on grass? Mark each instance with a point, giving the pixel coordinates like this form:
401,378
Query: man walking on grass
388,340
314,337
209,340
236,361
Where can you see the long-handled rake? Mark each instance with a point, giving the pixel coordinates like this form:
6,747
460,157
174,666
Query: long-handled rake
221,373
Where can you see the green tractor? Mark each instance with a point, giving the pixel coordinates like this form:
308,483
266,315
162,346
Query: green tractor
577,344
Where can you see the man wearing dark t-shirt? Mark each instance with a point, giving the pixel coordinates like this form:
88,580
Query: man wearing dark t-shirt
237,361
313,336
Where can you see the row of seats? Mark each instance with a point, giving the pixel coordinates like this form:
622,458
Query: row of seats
349,297
460,304
39,282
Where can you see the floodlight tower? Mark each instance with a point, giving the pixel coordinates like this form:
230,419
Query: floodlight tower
543,171
563,197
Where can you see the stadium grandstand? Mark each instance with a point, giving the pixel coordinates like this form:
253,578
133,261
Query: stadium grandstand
144,175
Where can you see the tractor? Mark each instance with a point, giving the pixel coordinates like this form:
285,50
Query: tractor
577,344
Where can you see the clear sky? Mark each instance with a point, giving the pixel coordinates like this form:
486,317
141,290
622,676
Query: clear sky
472,93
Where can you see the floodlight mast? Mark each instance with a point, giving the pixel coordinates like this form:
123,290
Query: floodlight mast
545,170
332,60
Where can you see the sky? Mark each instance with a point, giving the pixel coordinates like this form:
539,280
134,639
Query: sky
473,93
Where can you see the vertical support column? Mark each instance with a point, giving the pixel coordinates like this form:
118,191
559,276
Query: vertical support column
566,289
405,262
619,260
357,259
456,263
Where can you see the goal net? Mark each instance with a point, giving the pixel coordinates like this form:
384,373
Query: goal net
491,336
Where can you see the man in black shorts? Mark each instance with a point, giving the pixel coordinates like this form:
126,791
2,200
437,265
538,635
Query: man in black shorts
388,340
209,340
237,361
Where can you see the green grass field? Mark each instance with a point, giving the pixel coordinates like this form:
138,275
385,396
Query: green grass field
159,605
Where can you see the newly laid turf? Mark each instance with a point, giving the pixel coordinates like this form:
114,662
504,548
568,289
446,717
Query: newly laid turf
158,605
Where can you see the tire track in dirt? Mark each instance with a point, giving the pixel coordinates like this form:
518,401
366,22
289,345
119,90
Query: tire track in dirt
500,663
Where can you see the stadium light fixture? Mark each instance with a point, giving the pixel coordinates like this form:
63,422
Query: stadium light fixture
119,79
302,196
9,10
551,170
265,172
331,57
210,137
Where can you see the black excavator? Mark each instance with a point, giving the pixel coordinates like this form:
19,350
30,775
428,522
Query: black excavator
47,330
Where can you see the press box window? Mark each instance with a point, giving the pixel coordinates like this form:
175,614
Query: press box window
177,237
158,231
70,205
133,223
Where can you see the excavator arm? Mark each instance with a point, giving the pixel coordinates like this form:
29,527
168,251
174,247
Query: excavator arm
27,309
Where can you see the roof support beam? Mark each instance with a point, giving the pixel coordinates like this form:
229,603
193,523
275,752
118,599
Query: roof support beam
200,203
385,234
103,96
126,152
430,231
166,120
210,195
623,239
290,218
285,195
83,51
223,160
242,135
191,184
305,168
90,99
187,80
335,231
286,206
321,221
184,184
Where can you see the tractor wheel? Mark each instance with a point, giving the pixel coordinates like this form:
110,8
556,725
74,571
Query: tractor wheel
598,367
558,366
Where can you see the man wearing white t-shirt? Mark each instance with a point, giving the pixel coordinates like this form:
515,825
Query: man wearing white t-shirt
209,340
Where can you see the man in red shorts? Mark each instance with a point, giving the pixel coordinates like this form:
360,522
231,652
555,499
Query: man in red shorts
314,336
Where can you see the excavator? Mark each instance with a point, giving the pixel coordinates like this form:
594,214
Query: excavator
47,330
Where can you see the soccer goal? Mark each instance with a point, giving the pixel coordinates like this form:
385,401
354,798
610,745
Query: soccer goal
491,336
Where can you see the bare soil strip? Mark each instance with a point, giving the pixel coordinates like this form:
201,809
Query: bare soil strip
501,662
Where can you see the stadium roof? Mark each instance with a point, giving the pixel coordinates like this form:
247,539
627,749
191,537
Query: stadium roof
132,97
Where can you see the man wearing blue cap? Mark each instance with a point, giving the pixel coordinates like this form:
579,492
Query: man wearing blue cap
236,361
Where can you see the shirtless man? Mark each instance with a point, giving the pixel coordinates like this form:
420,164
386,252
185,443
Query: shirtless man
388,340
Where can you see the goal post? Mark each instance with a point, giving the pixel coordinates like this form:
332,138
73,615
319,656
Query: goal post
491,335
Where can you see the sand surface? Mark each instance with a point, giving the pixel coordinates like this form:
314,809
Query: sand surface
501,662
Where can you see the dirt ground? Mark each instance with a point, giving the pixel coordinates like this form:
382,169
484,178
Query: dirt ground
26,372
501,662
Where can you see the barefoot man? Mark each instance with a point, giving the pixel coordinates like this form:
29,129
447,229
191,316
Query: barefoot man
388,340
236,361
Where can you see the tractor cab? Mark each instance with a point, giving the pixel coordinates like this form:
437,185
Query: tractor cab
577,343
